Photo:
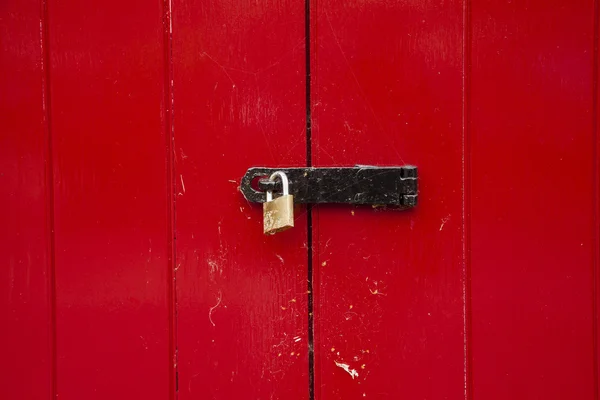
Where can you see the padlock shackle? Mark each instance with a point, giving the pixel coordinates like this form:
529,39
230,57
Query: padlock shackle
284,184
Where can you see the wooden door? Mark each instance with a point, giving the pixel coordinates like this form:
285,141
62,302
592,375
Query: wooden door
131,265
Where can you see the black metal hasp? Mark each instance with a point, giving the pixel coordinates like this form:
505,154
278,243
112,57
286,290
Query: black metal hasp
391,186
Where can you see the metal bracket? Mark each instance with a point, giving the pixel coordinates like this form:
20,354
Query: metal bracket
392,186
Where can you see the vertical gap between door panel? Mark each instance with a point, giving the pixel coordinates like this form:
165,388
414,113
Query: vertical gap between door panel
309,219
49,192
170,172
466,183
596,185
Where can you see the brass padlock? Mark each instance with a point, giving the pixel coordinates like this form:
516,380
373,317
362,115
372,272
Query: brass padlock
278,214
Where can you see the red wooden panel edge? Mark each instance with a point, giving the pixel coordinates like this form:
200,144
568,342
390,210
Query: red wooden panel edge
112,247
532,247
241,296
389,286
596,225
26,336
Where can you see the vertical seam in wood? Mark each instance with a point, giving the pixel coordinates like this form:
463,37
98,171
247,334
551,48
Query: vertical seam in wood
309,216
308,82
49,192
466,200
170,176
596,185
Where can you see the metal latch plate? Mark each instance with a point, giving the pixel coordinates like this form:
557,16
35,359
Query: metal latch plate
365,185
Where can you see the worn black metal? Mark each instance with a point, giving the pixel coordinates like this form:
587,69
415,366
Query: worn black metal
391,186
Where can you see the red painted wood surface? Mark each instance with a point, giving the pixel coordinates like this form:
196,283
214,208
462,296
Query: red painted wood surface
25,311
241,296
531,193
386,90
131,266
112,239
596,194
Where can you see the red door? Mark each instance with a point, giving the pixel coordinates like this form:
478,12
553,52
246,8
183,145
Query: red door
132,266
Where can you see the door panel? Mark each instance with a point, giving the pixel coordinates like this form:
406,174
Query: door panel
25,272
389,284
533,235
239,101
107,98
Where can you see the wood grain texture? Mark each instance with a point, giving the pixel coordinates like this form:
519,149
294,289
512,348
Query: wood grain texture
532,207
241,296
25,263
386,90
111,210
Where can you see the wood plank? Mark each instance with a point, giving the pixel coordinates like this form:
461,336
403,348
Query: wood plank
386,90
596,227
239,102
25,259
111,210
533,240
